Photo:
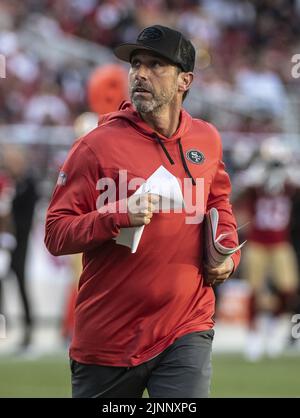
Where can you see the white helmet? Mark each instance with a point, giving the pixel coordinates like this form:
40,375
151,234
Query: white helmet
274,150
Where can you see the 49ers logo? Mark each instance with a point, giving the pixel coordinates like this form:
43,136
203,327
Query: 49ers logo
195,156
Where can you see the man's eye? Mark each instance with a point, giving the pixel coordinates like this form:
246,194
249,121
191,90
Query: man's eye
156,64
135,64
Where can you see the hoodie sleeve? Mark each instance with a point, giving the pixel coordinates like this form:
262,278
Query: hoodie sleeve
73,223
219,198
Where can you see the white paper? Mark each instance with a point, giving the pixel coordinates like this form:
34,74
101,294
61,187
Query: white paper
164,184
216,253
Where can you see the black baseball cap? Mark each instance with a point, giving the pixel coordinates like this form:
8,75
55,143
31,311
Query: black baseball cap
164,41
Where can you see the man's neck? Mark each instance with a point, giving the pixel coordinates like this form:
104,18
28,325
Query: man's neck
166,122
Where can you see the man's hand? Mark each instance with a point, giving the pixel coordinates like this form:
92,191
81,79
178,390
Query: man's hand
141,208
219,274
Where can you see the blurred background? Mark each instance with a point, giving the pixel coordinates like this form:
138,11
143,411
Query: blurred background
60,76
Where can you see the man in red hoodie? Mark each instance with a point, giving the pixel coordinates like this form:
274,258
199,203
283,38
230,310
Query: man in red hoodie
143,320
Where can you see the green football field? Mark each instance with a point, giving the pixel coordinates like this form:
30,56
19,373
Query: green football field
232,377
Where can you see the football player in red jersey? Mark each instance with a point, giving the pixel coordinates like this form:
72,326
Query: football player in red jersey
267,189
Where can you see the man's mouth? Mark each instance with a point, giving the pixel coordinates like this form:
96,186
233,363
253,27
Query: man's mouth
141,90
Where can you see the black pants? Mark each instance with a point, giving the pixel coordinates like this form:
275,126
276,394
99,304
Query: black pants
183,370
18,259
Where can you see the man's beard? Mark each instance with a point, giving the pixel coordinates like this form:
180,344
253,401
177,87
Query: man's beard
145,106
154,104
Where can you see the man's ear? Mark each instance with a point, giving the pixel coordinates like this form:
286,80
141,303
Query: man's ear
184,81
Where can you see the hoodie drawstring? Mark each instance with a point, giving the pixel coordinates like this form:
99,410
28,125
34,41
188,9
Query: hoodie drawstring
185,166
164,149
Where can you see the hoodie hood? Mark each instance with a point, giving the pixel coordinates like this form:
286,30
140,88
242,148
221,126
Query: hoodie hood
127,111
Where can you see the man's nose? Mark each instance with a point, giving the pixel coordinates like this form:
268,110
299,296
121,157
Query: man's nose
141,72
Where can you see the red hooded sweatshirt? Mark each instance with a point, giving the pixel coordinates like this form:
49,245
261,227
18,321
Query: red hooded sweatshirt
131,307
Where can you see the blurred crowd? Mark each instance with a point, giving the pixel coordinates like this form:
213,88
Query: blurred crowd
244,51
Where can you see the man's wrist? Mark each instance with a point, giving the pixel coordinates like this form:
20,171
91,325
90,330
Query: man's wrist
233,266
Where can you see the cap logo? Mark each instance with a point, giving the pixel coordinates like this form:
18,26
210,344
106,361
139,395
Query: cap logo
150,34
195,156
